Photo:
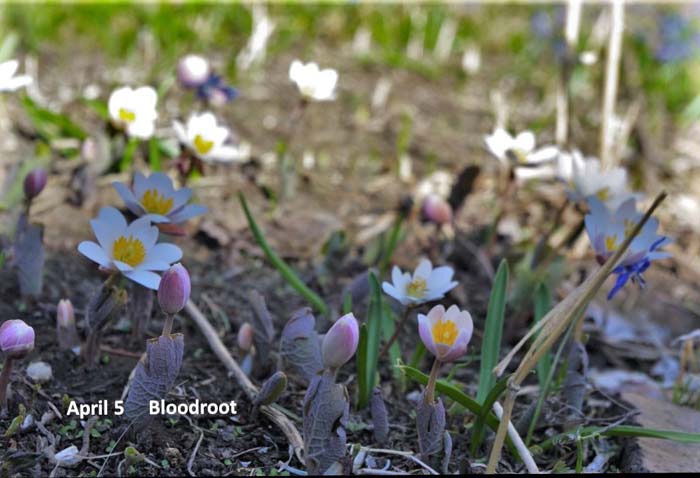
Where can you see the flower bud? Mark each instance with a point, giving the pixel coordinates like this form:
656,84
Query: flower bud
340,342
66,333
245,337
193,71
16,338
35,182
437,210
88,149
271,390
174,289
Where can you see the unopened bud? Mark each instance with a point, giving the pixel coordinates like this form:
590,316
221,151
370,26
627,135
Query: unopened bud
245,337
193,71
174,289
271,390
16,338
340,342
437,210
35,182
66,333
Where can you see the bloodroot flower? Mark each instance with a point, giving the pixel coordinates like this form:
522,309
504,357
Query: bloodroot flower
518,150
193,71
446,334
608,229
156,198
313,83
134,110
340,342
425,285
586,178
8,80
34,183
129,249
206,139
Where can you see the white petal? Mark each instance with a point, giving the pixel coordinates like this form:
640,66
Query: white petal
8,69
128,197
180,132
165,252
148,279
525,141
94,252
188,212
424,270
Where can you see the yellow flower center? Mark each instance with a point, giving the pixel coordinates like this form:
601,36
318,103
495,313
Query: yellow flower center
603,194
517,156
156,203
417,288
126,115
202,145
129,250
610,243
445,332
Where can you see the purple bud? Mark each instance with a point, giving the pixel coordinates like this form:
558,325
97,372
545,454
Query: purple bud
65,314
16,338
245,337
35,182
192,71
174,289
340,342
437,210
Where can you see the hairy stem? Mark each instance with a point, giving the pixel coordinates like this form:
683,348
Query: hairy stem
168,325
432,379
5,382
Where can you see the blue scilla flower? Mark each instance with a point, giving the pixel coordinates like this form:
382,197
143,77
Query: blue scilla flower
215,91
608,229
678,39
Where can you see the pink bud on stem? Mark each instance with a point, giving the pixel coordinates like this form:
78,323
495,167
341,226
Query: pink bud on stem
173,293
16,341
340,342
34,183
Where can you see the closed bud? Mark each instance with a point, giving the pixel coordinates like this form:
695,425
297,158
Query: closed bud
272,389
66,333
193,71
340,342
245,337
174,289
437,210
88,150
35,182
16,338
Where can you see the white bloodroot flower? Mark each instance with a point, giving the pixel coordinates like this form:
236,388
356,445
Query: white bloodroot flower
313,83
134,110
8,80
446,333
425,285
155,197
586,179
206,139
129,249
520,149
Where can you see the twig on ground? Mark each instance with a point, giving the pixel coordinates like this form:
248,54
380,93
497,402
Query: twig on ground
190,462
517,441
220,350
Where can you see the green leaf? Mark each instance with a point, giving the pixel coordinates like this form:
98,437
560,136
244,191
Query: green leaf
50,125
154,155
374,329
8,46
128,155
287,272
99,106
478,431
390,247
542,302
493,331
388,328
361,355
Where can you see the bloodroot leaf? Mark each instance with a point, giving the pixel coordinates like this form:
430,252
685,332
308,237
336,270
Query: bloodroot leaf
271,390
300,346
139,309
29,256
103,307
153,377
380,418
326,409
430,422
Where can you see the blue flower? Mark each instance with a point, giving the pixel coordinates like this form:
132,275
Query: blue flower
214,90
608,229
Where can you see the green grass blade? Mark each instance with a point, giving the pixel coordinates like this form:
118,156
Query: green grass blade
479,430
362,382
390,246
154,155
287,272
128,155
542,303
374,330
493,332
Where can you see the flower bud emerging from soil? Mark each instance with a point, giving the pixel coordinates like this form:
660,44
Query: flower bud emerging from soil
340,342
66,333
16,338
65,314
436,210
35,182
174,289
245,337
193,71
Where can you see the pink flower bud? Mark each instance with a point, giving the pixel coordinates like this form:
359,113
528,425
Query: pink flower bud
340,342
65,314
174,289
245,337
16,338
437,210
35,182
88,150
192,71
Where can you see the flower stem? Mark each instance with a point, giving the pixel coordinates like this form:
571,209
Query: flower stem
430,388
5,382
168,325
406,311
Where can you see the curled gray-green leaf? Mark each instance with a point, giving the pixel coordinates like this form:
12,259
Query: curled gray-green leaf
29,256
325,412
430,422
271,390
103,307
300,346
380,417
153,377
